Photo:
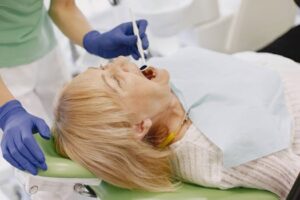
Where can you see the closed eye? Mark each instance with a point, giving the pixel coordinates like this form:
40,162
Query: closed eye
117,80
107,83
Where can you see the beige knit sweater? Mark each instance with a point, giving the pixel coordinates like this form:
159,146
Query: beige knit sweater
199,161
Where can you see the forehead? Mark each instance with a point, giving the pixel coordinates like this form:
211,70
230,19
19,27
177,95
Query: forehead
121,60
95,74
93,78
121,63
92,72
89,76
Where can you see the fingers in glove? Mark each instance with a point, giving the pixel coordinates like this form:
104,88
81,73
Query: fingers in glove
142,25
127,40
31,144
42,128
12,149
135,56
8,157
124,51
26,153
135,53
145,42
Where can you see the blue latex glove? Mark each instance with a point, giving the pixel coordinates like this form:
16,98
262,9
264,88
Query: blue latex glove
18,145
116,42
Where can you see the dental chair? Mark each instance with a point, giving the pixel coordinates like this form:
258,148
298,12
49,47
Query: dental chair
66,180
252,26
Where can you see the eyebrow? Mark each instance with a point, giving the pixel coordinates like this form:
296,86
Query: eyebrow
107,84
102,67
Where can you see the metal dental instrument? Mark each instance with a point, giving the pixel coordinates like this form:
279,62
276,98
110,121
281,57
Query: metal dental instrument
139,42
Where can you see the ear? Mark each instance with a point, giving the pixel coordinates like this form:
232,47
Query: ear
142,128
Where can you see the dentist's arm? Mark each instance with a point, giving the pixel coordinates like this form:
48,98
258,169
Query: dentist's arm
5,94
69,19
110,44
18,145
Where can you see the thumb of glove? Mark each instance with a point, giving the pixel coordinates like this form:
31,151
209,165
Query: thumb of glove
42,128
128,40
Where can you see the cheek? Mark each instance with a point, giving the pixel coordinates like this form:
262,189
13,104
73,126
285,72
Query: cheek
138,100
134,100
142,94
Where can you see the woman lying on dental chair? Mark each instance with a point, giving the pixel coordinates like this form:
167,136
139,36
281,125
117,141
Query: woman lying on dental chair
210,119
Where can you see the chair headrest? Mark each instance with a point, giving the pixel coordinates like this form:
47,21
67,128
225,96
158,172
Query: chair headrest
58,166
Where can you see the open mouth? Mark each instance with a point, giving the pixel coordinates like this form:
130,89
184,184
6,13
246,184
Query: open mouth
149,73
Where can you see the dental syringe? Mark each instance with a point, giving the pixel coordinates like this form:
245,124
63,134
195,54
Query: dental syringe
139,41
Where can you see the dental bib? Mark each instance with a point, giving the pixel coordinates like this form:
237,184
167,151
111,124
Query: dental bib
238,106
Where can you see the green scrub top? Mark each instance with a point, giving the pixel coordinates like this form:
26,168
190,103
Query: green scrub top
26,32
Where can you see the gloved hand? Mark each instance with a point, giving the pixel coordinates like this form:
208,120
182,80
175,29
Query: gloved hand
18,145
116,42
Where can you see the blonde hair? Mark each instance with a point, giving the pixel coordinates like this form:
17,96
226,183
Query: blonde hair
92,129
